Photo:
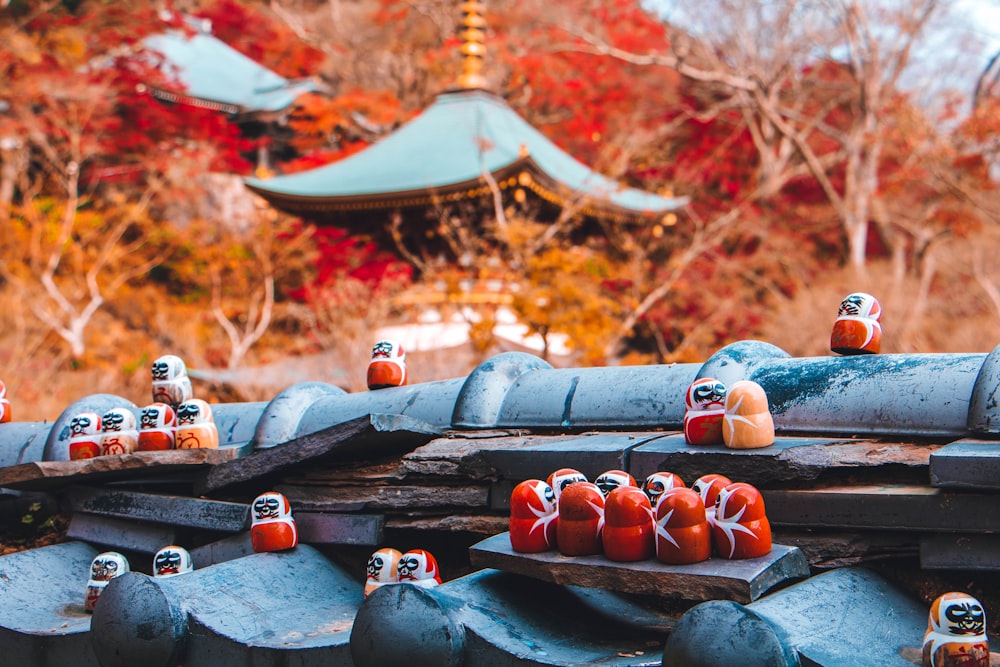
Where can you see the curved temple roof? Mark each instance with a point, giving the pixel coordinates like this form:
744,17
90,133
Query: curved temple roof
218,76
447,150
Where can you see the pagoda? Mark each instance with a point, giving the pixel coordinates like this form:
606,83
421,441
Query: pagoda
469,146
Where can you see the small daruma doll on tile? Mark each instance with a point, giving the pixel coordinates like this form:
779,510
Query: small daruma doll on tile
857,329
659,482
683,534
272,527
581,520
105,567
171,384
418,567
84,436
747,423
383,568
562,478
119,432
157,425
956,633
629,531
533,517
705,406
196,426
741,529
387,367
171,561
5,415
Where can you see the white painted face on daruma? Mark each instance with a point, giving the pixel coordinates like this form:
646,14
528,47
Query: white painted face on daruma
157,416
659,482
612,479
84,424
418,567
388,350
195,411
271,506
108,565
171,561
562,478
862,305
706,394
118,420
383,568
105,567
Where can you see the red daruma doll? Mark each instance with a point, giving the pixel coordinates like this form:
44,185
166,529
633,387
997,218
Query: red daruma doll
533,517
612,479
708,487
383,569
956,633
705,406
628,533
581,520
387,367
741,529
659,482
683,535
156,427
84,436
857,329
272,527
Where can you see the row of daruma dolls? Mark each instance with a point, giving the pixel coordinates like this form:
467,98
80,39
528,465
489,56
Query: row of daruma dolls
159,427
614,517
175,420
857,330
272,528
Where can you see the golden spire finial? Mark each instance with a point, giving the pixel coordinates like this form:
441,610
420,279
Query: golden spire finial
473,32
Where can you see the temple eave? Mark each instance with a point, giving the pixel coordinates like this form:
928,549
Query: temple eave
523,173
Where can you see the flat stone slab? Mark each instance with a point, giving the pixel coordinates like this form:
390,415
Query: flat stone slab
52,475
172,510
42,620
789,459
330,528
716,578
960,552
884,507
369,437
521,458
120,534
967,464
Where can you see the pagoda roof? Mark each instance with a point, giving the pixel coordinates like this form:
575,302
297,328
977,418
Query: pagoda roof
444,153
215,75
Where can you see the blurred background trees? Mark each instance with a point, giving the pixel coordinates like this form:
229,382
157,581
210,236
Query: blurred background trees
822,147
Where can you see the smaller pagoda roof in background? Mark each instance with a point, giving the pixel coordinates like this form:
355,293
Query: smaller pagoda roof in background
447,150
215,75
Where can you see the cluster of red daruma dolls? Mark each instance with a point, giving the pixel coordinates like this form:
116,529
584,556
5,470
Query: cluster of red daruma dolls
615,517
